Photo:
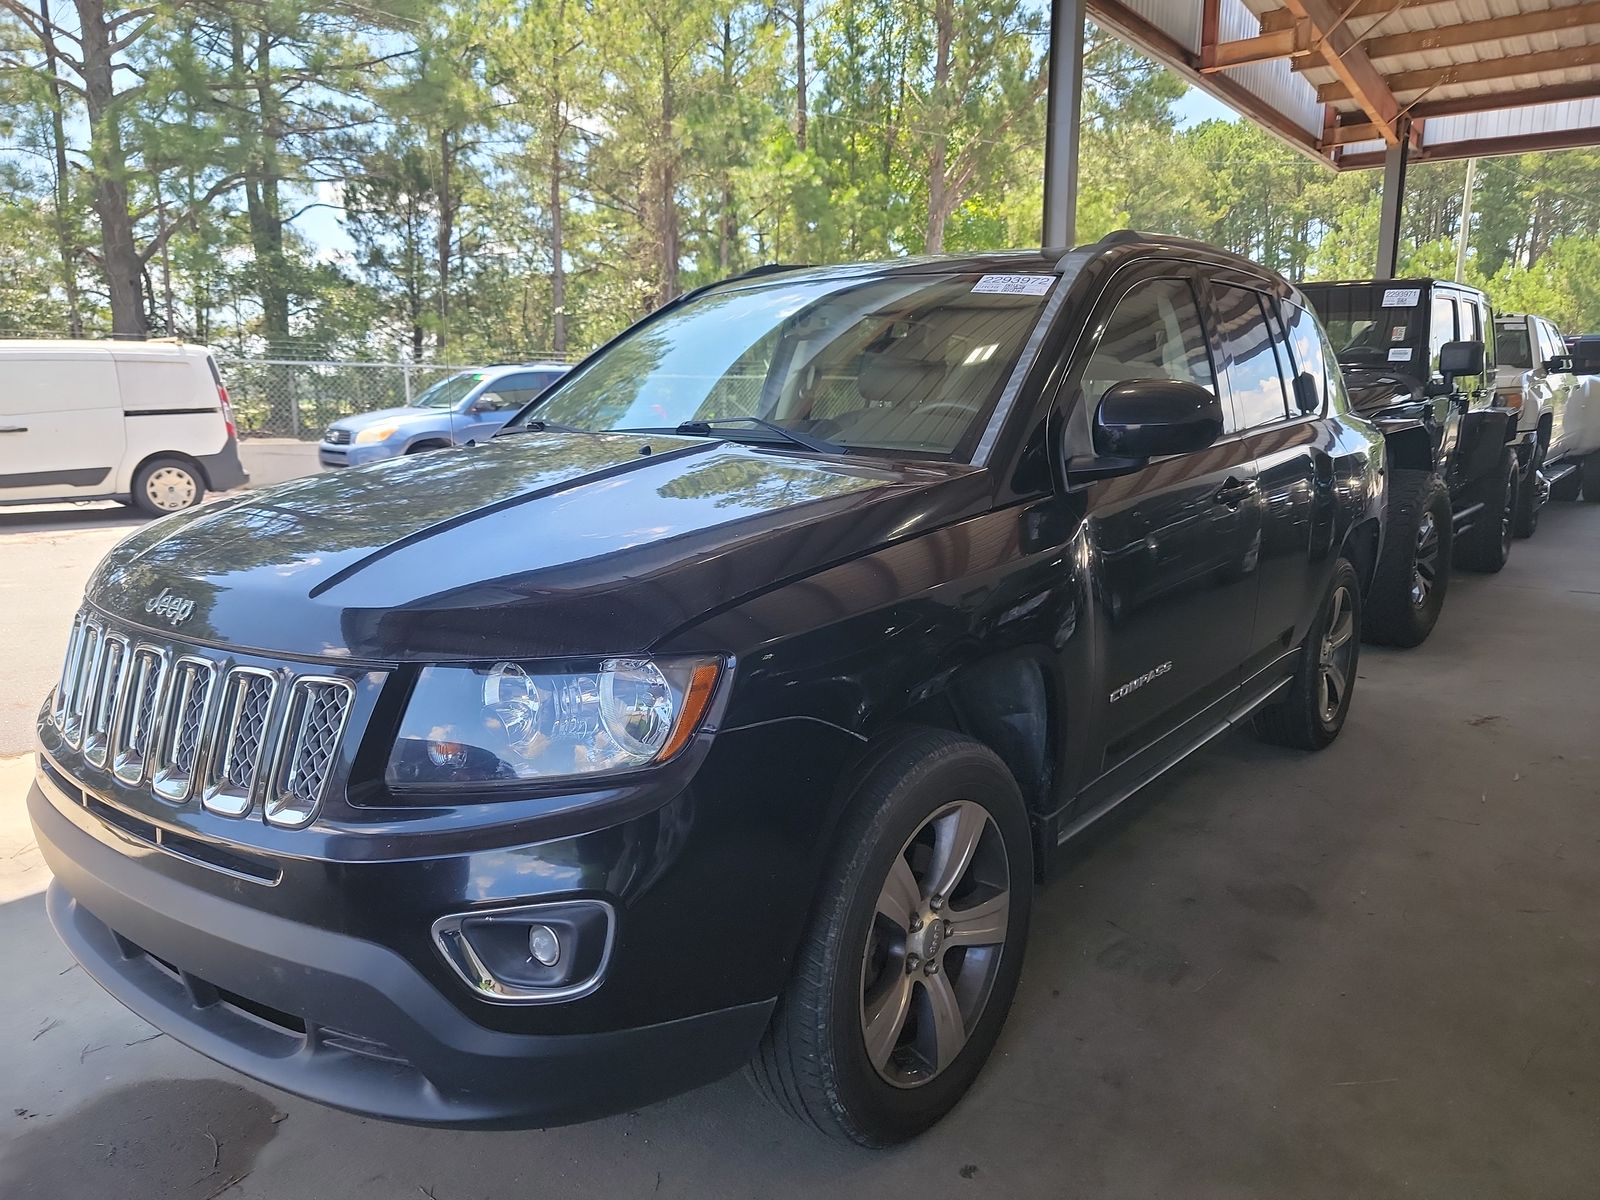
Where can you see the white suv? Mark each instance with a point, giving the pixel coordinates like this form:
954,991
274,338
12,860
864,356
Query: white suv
1558,422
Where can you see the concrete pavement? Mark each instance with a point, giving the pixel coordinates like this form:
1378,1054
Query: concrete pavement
1370,972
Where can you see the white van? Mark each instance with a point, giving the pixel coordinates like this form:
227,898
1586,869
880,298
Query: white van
146,423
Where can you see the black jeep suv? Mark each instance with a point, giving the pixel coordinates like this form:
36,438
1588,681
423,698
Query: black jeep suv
1418,355
727,705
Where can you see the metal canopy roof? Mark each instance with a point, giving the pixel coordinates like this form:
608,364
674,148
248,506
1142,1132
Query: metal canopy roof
1342,80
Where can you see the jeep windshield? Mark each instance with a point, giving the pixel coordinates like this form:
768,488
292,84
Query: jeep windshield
1379,326
902,363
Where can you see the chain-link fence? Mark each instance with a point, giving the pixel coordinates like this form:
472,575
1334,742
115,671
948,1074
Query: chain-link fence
298,398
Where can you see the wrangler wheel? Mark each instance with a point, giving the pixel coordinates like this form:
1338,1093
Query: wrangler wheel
915,947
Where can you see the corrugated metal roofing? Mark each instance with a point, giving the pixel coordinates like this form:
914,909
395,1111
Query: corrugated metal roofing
1430,83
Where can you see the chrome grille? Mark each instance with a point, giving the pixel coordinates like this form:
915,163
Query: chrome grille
337,437
137,721
183,729
188,725
239,741
107,690
313,726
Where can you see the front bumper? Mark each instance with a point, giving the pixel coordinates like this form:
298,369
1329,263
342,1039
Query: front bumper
339,1018
353,455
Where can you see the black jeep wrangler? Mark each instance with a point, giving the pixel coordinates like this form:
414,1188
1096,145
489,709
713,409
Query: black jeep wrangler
1417,356
726,706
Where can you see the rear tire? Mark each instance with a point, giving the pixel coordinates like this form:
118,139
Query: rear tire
1313,711
1591,477
933,864
1569,485
1486,546
1531,494
1413,574
167,485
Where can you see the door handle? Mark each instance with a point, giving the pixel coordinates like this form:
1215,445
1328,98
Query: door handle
1236,491
13,429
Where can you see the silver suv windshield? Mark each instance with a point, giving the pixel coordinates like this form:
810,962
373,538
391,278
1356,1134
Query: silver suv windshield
447,392
904,363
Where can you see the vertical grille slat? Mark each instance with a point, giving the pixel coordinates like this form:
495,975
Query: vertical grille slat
69,672
239,741
313,728
102,709
184,728
136,728
81,686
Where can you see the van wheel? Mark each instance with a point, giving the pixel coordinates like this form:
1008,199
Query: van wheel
1409,585
1487,544
914,949
1313,710
167,485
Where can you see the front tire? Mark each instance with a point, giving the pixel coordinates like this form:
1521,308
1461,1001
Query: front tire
167,485
915,946
1532,491
1313,711
1487,545
1413,574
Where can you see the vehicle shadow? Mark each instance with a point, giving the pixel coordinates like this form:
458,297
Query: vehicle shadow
65,518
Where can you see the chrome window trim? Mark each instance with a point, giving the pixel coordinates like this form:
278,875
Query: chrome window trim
218,796
281,809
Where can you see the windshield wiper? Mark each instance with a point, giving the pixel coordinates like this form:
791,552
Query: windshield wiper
705,428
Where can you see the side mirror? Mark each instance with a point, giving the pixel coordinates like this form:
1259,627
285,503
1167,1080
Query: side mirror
1460,358
1146,418
1559,365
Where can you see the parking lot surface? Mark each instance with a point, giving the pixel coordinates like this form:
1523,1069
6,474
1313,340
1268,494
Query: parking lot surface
1369,972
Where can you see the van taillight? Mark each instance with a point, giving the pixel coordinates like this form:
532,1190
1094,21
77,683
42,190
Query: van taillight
227,411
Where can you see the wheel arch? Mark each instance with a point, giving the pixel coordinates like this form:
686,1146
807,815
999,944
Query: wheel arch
1361,544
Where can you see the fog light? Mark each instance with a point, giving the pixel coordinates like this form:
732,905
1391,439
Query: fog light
530,954
544,945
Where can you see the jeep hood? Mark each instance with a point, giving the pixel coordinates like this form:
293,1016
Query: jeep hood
540,544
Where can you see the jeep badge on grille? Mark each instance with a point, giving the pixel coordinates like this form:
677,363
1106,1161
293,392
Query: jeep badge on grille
173,608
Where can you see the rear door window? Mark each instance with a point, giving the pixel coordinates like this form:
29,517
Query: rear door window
1255,380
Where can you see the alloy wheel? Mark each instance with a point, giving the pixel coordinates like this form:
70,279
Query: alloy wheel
1338,646
170,489
1425,566
934,948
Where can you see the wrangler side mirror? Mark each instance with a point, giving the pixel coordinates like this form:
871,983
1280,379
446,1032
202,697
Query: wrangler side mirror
1460,358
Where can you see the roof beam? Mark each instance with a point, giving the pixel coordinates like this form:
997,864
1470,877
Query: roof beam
1472,33
1487,71
1557,139
1344,56
1286,43
1283,18
1588,89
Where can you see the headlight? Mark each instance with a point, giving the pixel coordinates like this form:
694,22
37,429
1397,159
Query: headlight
508,721
374,433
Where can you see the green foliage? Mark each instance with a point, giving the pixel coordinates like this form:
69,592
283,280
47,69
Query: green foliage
501,179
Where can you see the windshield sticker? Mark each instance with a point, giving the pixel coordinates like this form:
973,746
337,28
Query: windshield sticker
1397,334
1401,297
1015,285
1403,354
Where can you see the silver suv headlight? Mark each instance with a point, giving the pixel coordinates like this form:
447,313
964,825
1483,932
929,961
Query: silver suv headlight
506,721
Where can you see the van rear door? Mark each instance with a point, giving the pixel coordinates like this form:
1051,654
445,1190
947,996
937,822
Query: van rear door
61,432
